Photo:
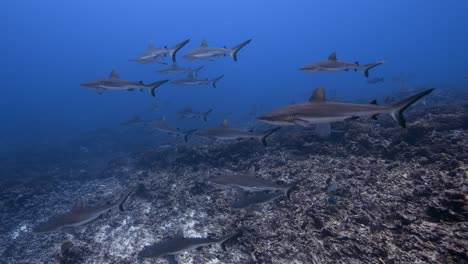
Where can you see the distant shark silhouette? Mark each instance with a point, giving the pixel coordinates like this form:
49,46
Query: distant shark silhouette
113,82
332,64
190,79
78,215
208,53
151,53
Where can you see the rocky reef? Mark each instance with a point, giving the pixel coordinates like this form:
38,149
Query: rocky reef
373,193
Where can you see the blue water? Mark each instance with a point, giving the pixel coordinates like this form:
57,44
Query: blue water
50,46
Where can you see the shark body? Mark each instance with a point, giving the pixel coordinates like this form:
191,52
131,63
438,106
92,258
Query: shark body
319,111
204,52
224,132
151,54
78,215
332,64
115,83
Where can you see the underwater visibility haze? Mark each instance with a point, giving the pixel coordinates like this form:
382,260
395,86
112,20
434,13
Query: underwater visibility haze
234,131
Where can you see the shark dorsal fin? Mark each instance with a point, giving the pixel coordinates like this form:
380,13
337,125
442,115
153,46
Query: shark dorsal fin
204,43
374,102
224,123
318,95
180,233
251,171
332,56
114,74
150,45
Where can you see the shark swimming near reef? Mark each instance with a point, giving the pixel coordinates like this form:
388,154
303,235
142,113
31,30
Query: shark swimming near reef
190,79
224,132
332,64
204,52
249,183
152,54
115,83
189,113
179,244
79,215
163,126
318,111
175,69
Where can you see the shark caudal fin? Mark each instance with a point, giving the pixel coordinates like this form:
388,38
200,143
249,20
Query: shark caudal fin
369,66
267,134
206,114
224,239
401,106
176,48
153,86
287,192
215,80
124,198
196,70
236,49
188,133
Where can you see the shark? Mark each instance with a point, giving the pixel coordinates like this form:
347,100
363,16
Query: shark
175,69
79,215
152,54
319,111
248,199
114,82
180,244
190,79
204,52
249,183
332,64
224,132
189,113
162,126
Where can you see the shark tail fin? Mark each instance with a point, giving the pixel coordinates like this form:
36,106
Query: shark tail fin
223,240
369,66
287,192
401,106
267,134
196,70
124,198
188,133
236,49
153,86
176,48
215,80
205,115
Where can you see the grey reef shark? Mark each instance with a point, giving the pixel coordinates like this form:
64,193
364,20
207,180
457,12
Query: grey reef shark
332,64
164,127
190,79
79,215
204,52
179,244
319,111
115,83
224,132
152,54
189,113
